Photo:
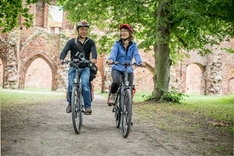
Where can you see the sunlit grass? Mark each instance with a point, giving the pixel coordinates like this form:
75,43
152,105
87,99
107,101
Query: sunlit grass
15,97
217,107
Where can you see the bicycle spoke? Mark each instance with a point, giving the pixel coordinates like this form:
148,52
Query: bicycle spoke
117,113
76,110
127,113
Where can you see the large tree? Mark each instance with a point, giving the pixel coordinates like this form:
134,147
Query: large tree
167,25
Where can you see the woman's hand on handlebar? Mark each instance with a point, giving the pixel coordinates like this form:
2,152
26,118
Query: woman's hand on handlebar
109,62
142,64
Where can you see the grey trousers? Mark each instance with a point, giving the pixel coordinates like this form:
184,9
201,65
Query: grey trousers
117,77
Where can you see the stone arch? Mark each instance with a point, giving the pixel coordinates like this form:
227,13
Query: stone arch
231,86
39,34
39,45
195,78
101,78
231,82
4,63
29,62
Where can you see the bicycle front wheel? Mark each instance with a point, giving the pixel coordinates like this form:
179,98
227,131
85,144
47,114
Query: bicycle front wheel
117,112
126,108
76,110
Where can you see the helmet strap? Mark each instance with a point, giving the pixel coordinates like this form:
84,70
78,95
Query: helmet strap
80,37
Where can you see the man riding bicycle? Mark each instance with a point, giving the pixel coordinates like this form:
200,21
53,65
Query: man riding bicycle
123,51
89,47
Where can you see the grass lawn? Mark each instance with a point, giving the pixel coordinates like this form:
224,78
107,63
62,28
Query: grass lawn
212,110
10,97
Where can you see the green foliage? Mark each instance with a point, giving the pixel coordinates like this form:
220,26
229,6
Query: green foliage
173,96
199,23
194,24
229,50
12,10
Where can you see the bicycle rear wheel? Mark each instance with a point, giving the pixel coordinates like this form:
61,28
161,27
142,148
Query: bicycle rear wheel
126,108
76,110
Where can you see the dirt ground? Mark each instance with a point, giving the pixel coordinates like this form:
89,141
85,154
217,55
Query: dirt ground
46,130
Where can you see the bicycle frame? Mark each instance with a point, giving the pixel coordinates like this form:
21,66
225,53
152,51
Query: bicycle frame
122,110
77,102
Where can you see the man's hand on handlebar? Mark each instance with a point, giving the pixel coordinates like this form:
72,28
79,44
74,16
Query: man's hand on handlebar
93,61
60,62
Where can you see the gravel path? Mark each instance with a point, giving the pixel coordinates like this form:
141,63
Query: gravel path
46,130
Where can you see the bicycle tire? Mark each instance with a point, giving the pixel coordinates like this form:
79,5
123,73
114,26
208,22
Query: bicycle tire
117,112
76,110
126,117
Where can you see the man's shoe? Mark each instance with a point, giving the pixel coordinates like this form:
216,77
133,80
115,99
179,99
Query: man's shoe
88,111
68,109
112,100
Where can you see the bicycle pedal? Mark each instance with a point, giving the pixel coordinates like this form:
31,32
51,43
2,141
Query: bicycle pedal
87,113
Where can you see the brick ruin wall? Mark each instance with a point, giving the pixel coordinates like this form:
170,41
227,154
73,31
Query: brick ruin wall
212,74
28,58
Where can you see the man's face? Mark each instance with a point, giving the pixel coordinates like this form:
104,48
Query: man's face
83,31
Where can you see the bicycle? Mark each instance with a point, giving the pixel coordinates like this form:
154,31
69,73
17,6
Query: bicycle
77,101
123,103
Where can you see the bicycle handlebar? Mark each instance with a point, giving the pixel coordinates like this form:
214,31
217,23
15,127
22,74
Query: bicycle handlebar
76,62
83,60
126,64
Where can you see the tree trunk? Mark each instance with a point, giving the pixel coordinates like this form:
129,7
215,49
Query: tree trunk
162,51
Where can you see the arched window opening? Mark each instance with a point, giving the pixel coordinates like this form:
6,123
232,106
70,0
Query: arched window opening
231,86
194,79
39,75
1,73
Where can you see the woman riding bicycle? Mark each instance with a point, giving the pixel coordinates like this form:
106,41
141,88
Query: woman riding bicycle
123,51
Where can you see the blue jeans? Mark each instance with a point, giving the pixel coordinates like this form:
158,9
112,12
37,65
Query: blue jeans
84,75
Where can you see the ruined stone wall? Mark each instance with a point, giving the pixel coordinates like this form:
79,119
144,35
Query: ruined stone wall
22,46
8,54
217,71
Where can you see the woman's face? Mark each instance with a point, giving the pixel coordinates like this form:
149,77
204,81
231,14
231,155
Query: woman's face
124,33
83,31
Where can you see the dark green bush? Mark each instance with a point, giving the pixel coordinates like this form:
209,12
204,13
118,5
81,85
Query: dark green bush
173,96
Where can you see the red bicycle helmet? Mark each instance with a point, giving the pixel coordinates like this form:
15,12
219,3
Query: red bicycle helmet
127,26
82,24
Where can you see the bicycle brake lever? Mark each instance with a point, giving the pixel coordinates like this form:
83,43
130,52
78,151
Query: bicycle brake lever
65,62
